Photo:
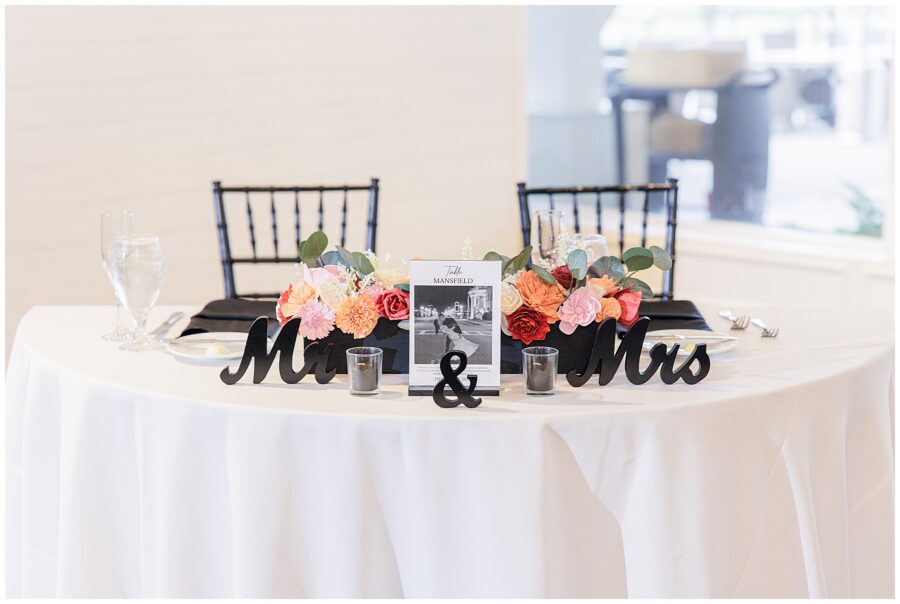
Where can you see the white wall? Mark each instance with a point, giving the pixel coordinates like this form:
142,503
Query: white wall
141,107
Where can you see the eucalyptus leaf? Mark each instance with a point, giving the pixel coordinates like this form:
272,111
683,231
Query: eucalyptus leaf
638,258
363,264
347,257
493,256
314,246
404,287
517,262
544,274
609,266
646,292
333,258
577,263
661,259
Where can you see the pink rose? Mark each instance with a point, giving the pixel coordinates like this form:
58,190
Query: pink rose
580,308
316,320
630,301
319,276
393,304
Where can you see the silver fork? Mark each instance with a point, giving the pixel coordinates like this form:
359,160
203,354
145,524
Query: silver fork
737,323
766,331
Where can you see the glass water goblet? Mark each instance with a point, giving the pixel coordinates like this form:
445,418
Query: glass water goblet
112,226
593,244
547,226
138,272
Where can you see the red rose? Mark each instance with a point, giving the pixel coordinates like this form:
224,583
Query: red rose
563,276
527,324
393,304
630,301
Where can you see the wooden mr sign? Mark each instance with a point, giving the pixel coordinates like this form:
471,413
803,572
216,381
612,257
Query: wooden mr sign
317,358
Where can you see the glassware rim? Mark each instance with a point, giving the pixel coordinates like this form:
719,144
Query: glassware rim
365,351
587,236
127,238
540,351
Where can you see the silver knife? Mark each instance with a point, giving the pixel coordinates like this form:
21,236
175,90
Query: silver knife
162,330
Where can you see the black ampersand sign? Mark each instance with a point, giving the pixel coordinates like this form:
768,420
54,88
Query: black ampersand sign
450,374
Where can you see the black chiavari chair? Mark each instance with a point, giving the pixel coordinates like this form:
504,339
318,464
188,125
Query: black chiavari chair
338,193
570,197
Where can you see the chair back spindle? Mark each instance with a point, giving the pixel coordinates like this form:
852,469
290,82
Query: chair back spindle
221,194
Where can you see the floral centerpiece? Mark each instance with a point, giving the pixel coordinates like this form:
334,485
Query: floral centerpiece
572,294
348,291
345,297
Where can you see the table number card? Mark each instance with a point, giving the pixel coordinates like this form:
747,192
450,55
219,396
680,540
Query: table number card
454,305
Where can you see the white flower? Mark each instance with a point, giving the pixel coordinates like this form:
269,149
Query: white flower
334,293
510,298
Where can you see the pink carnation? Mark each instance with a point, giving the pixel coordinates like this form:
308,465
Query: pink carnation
317,320
580,308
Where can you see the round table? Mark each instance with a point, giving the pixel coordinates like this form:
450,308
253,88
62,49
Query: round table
138,475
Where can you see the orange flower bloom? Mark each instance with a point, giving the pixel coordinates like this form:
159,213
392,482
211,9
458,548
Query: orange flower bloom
605,283
357,316
295,296
541,296
610,309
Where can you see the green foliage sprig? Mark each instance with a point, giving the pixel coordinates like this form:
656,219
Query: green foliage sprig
621,271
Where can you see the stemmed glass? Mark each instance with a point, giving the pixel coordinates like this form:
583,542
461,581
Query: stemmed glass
547,226
138,272
593,244
112,226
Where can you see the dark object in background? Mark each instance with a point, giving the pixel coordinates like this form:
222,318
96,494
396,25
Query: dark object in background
293,196
232,314
672,314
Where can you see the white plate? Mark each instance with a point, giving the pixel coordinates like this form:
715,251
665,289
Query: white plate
193,347
688,338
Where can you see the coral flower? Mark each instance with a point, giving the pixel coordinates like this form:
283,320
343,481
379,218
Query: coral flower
630,300
295,296
610,309
317,320
357,316
541,296
580,308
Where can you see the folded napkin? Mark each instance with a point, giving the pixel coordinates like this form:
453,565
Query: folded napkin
671,314
232,314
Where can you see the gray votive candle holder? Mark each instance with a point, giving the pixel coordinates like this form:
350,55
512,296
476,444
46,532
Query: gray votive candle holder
539,367
364,369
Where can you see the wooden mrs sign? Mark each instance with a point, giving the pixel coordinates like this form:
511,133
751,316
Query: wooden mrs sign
317,358
605,355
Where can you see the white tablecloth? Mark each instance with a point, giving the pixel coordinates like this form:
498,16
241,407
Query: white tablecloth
135,474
